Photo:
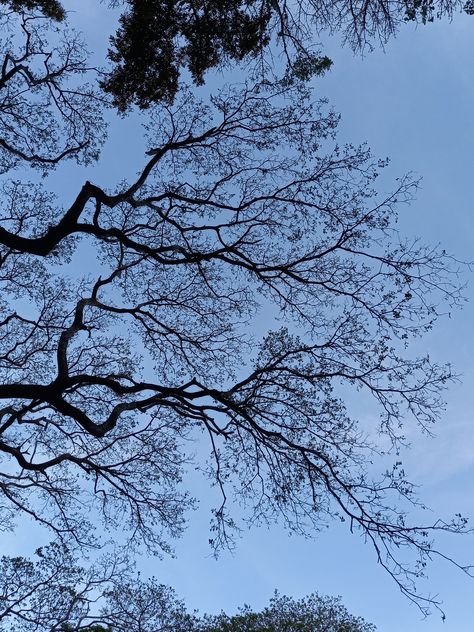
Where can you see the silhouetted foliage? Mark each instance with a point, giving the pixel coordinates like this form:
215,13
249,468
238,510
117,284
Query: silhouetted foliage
158,38
284,614
47,115
51,8
52,593
52,590
245,210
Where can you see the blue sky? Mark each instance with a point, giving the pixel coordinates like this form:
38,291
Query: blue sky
414,103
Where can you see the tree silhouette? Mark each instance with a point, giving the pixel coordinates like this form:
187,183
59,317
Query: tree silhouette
51,8
284,614
245,211
54,593
158,38
47,116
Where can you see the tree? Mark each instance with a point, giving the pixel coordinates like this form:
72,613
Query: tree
148,57
47,116
245,208
158,38
51,590
50,8
284,614
53,593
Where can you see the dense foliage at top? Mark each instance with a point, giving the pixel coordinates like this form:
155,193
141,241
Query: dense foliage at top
50,8
157,39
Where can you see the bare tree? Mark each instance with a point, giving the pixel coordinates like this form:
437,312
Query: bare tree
245,212
46,114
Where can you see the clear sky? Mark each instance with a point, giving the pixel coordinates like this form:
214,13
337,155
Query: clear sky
414,103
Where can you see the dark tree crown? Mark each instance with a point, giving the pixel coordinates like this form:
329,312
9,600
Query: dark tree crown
158,37
50,8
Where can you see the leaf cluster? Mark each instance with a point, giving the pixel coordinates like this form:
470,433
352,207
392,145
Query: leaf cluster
50,8
158,37
284,614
